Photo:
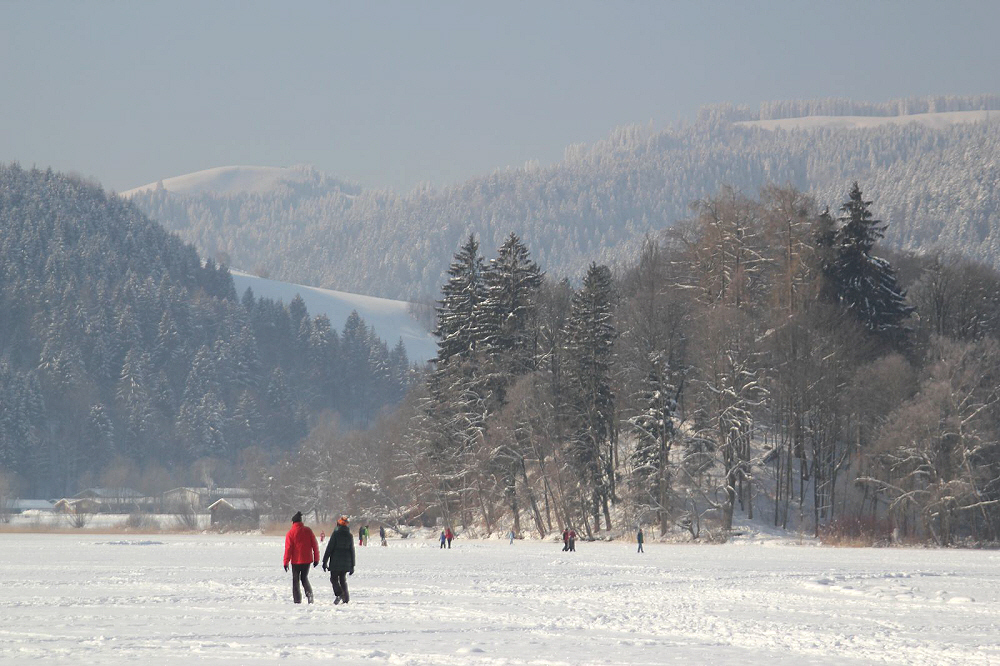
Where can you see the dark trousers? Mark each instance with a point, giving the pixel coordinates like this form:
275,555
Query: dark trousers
449,543
300,571
339,580
640,546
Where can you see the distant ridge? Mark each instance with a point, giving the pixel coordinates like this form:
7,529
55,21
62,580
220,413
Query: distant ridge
931,120
929,164
230,180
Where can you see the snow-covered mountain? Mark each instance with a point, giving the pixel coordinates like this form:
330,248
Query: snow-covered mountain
392,320
932,120
230,180
930,165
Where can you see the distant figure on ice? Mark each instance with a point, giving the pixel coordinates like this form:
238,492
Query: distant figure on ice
449,535
322,536
300,549
639,538
511,535
367,534
565,540
443,538
381,534
339,559
361,535
572,541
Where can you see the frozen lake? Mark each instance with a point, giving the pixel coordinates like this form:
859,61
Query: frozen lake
116,599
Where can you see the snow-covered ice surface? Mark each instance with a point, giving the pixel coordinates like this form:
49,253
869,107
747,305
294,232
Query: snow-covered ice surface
168,599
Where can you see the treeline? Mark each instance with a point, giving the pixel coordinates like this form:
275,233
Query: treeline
935,187
759,360
126,360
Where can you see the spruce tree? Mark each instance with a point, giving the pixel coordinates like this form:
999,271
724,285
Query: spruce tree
512,281
865,284
459,311
591,336
654,430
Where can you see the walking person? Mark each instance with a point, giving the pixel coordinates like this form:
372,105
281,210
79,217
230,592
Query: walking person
443,538
449,535
367,534
301,549
639,538
511,535
565,540
381,534
339,559
572,541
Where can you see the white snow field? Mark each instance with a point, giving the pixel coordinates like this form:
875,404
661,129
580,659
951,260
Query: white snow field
941,120
391,319
229,180
113,599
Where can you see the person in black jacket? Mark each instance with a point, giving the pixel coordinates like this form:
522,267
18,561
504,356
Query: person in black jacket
339,559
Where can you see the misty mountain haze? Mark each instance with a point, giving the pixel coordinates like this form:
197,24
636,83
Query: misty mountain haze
930,163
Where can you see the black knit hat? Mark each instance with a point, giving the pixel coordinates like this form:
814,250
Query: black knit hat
297,518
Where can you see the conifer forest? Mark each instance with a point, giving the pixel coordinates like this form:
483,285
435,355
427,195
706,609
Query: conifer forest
766,359
767,355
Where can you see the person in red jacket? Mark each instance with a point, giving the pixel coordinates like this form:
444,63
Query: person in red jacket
448,534
300,549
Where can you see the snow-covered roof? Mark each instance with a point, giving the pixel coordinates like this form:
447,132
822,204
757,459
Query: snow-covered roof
108,493
203,490
231,492
186,489
32,504
235,503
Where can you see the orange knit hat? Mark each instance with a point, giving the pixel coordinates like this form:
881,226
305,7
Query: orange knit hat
343,520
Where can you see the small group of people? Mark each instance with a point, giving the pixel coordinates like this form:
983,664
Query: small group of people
363,535
569,540
446,536
301,550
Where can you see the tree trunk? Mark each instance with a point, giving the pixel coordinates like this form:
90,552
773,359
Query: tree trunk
531,500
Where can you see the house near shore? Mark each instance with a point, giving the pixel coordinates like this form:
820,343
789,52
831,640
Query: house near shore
77,506
28,506
198,499
117,500
241,512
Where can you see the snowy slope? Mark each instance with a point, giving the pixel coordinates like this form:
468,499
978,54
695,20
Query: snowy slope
932,120
391,320
173,599
231,180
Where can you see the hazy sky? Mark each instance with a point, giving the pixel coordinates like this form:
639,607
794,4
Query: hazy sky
398,93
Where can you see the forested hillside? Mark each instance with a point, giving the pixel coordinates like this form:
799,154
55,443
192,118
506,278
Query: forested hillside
936,187
122,353
766,360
